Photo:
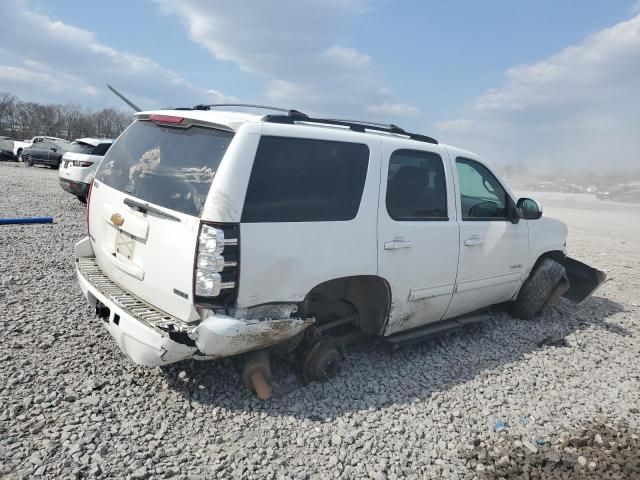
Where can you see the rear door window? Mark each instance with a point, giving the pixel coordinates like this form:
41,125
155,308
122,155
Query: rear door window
305,180
416,186
166,166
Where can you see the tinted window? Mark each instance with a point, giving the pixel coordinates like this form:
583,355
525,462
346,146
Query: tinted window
101,149
481,195
80,148
416,186
170,167
304,180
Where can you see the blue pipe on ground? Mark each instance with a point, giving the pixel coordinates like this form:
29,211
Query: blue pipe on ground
16,221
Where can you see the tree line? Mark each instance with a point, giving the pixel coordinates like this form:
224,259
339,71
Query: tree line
23,120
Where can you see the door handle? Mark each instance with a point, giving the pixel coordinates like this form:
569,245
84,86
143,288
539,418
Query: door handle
396,244
474,241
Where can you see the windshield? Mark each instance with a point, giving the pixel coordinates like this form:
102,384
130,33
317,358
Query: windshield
170,167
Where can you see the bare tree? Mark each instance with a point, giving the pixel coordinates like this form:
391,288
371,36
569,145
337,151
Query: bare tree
7,104
22,120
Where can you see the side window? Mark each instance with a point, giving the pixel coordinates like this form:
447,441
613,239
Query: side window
305,180
416,186
481,195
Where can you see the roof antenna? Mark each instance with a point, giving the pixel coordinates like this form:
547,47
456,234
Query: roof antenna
124,99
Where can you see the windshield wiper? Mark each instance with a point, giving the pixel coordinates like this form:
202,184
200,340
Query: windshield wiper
145,207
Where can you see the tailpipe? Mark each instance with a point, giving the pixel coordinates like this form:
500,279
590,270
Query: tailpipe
256,373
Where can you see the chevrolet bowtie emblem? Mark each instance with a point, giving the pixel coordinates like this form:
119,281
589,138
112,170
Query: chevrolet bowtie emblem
117,219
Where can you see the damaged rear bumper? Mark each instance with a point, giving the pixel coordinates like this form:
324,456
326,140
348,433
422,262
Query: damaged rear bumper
151,337
583,280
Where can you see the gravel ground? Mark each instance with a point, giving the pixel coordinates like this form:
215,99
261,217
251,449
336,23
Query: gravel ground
71,406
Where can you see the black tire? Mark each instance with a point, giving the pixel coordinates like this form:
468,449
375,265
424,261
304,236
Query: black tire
82,199
540,289
28,162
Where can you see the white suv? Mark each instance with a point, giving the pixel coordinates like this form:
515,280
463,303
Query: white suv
79,165
215,233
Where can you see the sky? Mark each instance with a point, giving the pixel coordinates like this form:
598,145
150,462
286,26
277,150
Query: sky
551,84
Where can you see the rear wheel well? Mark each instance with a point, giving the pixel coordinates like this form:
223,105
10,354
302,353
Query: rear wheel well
368,297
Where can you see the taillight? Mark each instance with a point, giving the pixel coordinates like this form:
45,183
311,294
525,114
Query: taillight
78,163
88,209
216,268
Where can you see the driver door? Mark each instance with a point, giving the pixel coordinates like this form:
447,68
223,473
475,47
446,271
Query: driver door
493,250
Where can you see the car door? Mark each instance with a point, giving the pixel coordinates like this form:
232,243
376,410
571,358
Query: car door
493,249
418,233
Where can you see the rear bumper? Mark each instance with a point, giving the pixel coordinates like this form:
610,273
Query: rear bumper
77,188
150,337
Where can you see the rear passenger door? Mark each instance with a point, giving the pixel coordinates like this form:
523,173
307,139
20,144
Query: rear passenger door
418,233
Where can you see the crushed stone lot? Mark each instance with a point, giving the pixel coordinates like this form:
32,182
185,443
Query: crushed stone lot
555,397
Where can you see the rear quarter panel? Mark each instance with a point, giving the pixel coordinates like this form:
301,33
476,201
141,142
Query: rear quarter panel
282,262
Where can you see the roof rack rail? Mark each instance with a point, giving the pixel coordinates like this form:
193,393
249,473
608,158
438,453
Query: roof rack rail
354,125
290,112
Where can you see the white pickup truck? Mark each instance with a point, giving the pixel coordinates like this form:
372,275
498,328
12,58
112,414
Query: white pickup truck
216,233
19,146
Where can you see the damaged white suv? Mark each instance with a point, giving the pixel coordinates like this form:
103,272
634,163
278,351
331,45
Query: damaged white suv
215,233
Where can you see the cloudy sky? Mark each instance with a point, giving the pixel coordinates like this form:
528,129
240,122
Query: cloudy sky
551,83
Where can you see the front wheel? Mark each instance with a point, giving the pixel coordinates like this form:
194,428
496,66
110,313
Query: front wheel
544,285
28,162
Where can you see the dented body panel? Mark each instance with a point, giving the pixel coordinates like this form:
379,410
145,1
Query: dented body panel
583,280
154,340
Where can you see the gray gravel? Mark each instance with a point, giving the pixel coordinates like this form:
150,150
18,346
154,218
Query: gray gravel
72,406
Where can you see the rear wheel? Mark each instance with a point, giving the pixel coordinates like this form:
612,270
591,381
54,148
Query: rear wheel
547,282
28,162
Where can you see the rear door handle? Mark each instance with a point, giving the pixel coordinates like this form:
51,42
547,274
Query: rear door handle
396,244
473,241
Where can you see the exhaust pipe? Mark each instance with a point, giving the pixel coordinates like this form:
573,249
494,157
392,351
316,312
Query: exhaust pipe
256,373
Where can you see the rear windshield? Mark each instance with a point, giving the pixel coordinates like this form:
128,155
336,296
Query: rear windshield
170,167
80,148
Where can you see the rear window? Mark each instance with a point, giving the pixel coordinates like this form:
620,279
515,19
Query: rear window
170,167
101,150
305,180
79,148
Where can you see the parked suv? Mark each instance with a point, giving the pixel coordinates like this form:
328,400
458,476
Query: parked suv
215,233
79,166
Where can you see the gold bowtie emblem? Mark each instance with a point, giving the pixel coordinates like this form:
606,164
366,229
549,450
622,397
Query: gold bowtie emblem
117,219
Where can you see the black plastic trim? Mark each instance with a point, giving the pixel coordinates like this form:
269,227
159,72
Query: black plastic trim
353,125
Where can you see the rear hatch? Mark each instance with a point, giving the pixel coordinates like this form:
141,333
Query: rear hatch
145,205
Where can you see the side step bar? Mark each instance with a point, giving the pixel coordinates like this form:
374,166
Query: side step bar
434,330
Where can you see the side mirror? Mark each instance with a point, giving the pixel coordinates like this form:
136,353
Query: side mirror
530,209
54,149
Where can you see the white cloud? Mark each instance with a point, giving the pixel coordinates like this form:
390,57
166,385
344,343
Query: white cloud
578,107
394,109
296,47
60,62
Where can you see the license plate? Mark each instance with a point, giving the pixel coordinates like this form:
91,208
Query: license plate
125,245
